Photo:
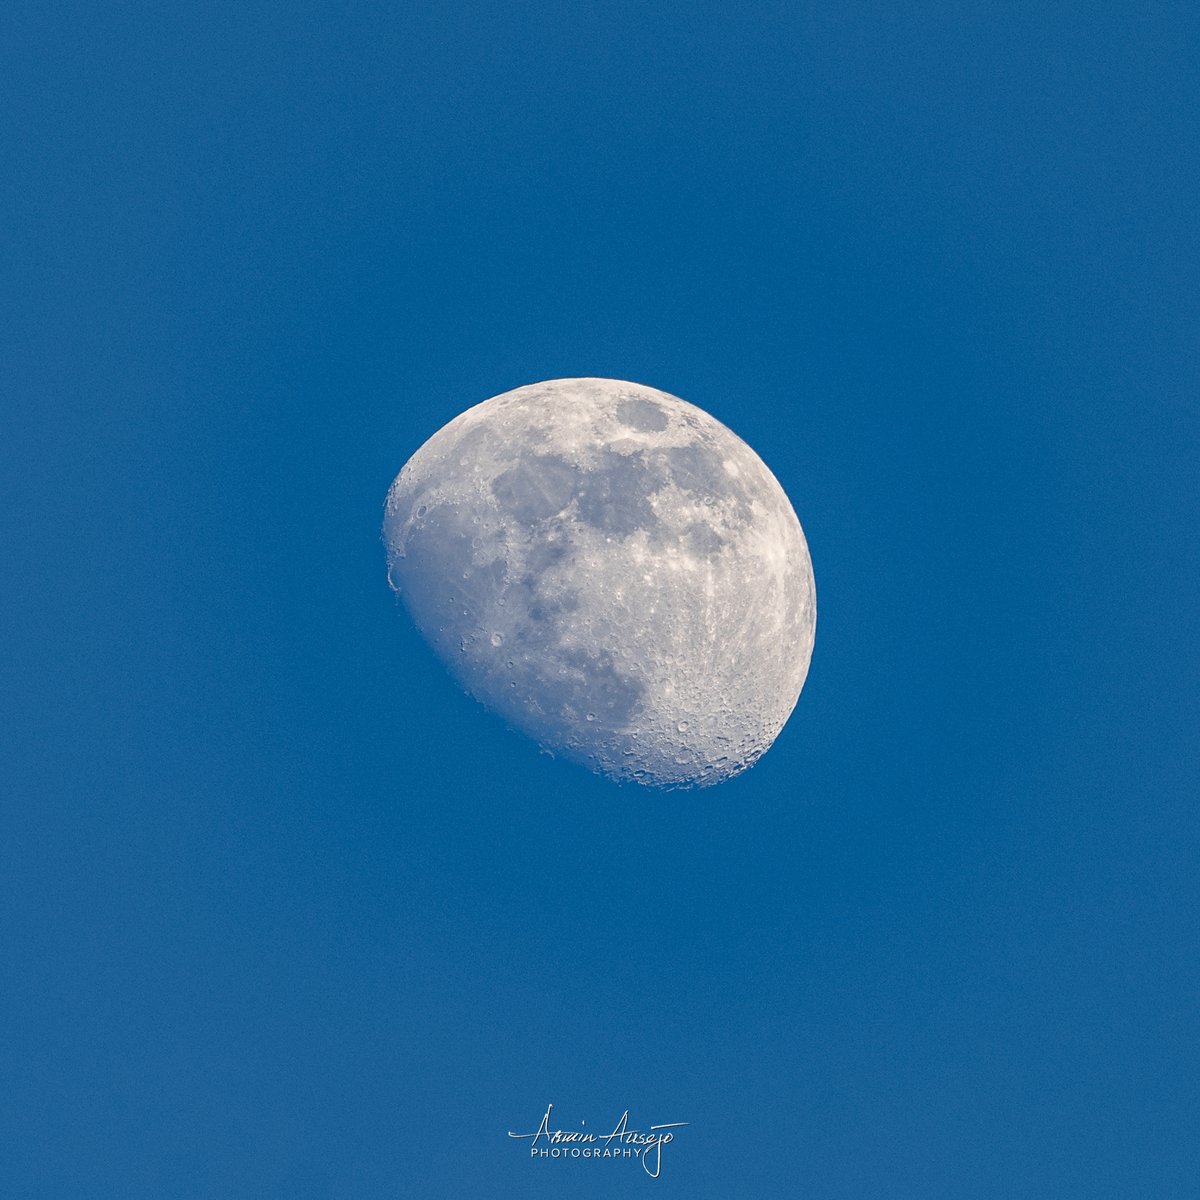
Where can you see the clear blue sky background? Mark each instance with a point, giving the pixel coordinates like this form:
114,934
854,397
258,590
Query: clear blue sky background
283,914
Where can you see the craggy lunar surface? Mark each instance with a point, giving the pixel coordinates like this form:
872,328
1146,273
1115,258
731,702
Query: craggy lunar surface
613,571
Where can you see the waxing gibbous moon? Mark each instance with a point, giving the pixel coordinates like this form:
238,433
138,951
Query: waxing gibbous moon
614,572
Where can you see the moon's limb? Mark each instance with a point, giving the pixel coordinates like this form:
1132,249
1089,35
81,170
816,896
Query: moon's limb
612,570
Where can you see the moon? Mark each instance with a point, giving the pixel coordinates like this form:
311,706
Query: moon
612,571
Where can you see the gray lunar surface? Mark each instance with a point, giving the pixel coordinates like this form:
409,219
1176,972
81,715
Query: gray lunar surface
614,572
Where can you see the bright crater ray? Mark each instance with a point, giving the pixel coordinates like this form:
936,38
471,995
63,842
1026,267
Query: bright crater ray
614,572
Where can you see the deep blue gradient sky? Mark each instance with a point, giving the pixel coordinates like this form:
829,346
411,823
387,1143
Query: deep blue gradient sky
283,914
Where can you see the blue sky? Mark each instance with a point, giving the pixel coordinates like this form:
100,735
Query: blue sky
283,914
